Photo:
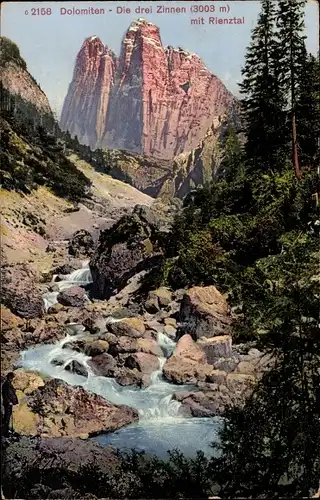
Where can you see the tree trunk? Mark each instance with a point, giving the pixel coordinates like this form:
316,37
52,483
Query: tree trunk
295,147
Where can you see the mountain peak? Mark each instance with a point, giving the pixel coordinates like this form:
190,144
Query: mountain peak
153,100
142,27
138,23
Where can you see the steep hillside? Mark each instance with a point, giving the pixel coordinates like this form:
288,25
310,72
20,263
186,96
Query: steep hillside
48,189
167,179
16,79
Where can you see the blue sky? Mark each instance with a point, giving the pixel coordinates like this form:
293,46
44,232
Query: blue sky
49,44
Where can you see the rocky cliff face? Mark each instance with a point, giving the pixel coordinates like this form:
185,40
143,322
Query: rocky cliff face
17,80
157,101
166,179
199,165
86,103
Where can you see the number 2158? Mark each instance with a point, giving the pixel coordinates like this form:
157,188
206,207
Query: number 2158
41,12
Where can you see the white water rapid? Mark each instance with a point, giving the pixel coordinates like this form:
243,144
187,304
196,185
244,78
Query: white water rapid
160,426
79,277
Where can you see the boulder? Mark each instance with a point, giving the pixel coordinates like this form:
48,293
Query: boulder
126,376
124,250
152,304
149,346
124,297
214,398
55,309
66,460
216,347
246,367
129,327
103,365
74,296
171,322
9,321
205,313
48,332
9,358
64,269
109,337
147,216
81,244
158,299
164,296
75,367
170,330
181,395
265,362
123,345
187,348
217,377
58,409
94,326
143,362
154,325
19,291
96,348
205,403
225,364
26,382
77,345
203,408
240,382
185,371
187,364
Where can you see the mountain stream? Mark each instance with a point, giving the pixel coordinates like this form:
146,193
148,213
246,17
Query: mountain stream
160,426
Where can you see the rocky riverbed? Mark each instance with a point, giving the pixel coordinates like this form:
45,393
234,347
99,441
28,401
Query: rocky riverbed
97,358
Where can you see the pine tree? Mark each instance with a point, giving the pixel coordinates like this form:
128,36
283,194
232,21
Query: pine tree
291,59
308,111
271,446
263,101
233,156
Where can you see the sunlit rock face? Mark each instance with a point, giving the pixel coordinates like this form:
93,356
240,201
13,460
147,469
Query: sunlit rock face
153,100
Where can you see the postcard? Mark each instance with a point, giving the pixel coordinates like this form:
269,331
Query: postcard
160,249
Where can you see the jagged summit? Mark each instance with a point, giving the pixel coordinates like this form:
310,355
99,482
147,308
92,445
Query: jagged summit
95,47
153,100
138,23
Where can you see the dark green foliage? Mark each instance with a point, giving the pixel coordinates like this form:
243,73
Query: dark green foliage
254,235
199,261
233,156
308,111
290,50
98,158
23,114
228,226
134,475
28,161
35,152
271,447
291,59
9,52
263,99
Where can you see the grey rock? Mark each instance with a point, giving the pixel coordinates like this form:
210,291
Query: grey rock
103,365
74,296
76,367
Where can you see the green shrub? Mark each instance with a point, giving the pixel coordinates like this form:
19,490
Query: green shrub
9,52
